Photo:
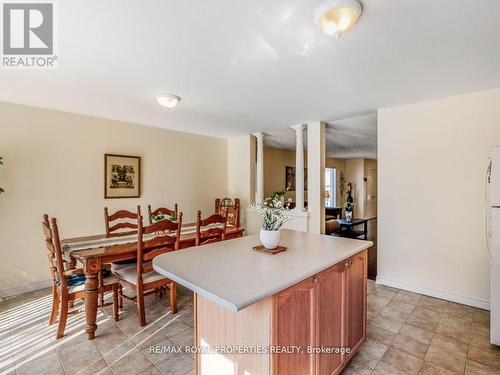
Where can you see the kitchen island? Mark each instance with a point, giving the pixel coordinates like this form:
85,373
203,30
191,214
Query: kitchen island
302,311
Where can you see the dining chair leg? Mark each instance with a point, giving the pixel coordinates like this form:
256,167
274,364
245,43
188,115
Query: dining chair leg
141,313
55,306
115,303
63,316
173,297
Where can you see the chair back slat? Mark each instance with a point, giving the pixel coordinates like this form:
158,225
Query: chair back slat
210,234
158,251
116,230
161,226
123,225
162,243
162,210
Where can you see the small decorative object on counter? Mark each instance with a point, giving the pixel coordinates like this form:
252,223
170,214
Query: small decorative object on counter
274,213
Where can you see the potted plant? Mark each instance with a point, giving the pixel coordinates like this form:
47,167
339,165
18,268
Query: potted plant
274,213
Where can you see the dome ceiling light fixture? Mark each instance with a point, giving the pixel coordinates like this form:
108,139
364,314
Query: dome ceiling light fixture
168,101
336,17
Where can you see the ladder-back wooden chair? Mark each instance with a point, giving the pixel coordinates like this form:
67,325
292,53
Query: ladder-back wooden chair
142,277
162,210
62,292
212,233
121,223
125,220
233,211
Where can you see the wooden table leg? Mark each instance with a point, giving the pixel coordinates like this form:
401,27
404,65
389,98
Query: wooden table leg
91,288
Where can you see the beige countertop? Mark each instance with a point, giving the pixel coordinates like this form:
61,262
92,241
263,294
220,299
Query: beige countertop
235,276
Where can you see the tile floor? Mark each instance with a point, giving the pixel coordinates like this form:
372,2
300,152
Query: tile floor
407,334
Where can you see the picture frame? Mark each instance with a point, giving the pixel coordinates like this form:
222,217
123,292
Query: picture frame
290,178
122,176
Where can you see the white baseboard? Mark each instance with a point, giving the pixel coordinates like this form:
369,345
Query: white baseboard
9,293
437,293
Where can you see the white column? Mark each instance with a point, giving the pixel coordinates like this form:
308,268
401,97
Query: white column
316,176
299,167
260,168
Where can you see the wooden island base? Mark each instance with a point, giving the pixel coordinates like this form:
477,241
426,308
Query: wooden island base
324,312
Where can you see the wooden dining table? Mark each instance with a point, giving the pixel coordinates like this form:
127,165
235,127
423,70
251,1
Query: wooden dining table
93,259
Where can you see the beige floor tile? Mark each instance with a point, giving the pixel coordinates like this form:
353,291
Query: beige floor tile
184,338
447,353
377,301
174,326
420,334
455,328
156,348
435,304
379,334
370,353
79,356
382,291
357,367
134,362
401,306
407,297
481,316
474,368
402,361
424,318
489,356
480,335
43,363
433,369
178,364
386,369
410,345
392,313
391,325
460,311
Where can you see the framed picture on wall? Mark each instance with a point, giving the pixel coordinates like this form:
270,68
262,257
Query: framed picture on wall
122,176
290,179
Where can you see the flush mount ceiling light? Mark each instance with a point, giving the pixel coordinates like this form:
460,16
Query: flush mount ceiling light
336,17
168,100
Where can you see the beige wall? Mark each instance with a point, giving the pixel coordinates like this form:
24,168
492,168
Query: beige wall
54,164
432,162
241,172
355,172
275,161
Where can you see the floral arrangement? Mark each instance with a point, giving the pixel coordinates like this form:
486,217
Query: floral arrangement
273,212
349,206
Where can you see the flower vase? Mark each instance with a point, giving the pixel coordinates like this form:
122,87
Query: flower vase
348,216
270,238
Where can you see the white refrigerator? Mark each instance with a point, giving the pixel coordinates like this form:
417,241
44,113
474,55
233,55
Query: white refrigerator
493,239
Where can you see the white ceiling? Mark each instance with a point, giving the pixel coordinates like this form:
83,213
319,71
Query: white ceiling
351,138
250,65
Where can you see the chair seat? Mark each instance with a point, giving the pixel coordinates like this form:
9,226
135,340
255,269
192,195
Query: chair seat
108,280
124,264
129,274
